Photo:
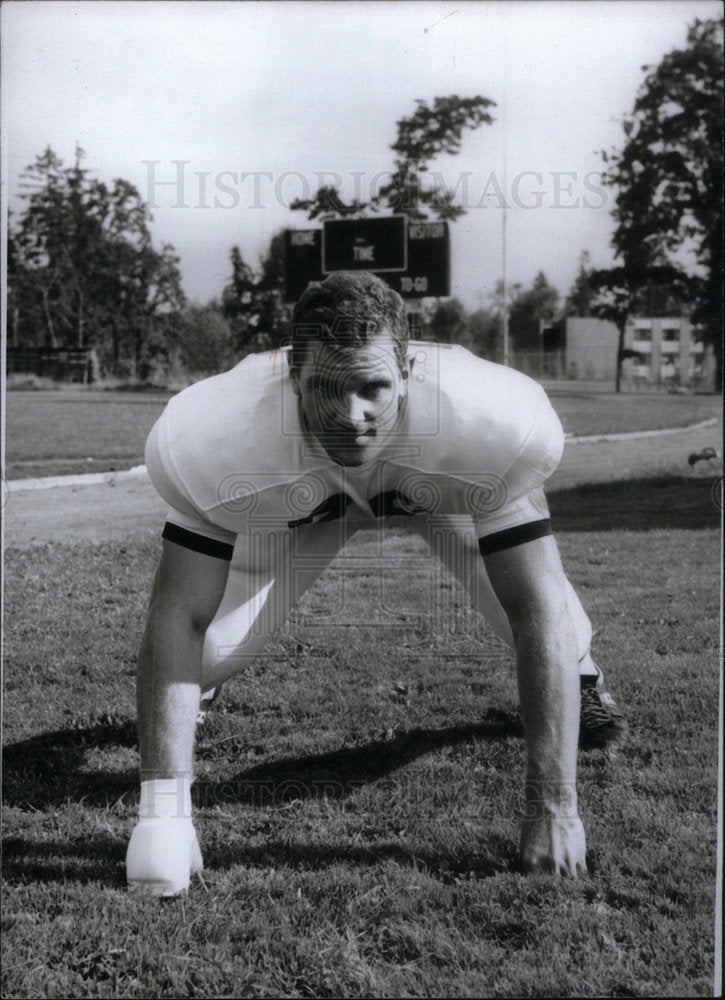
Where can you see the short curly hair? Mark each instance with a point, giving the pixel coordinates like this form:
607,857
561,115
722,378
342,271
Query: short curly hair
349,308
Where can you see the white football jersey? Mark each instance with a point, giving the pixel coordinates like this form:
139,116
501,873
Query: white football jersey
474,437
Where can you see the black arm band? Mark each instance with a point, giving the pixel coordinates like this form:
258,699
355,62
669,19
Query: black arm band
199,543
511,537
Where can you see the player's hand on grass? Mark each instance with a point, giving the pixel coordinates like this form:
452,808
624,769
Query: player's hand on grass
162,856
555,845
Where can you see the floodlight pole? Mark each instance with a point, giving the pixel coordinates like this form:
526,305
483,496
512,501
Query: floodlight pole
505,284
504,219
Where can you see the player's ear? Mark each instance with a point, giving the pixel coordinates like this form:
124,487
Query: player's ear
294,377
403,385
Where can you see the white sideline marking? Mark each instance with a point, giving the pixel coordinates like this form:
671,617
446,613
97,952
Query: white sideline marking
633,435
139,471
83,479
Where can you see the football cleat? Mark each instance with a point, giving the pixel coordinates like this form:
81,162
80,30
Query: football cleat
162,856
601,724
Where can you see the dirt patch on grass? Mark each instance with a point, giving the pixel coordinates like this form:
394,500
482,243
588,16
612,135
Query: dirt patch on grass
40,468
106,512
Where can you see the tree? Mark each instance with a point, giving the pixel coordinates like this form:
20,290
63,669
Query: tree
84,272
424,135
449,322
579,300
204,340
253,301
238,304
536,304
499,302
621,292
669,178
484,335
51,249
275,314
529,309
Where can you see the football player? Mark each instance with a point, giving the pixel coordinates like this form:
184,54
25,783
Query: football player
271,467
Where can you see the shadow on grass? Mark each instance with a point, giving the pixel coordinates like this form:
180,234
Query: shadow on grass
51,769
338,773
637,505
495,855
101,859
85,859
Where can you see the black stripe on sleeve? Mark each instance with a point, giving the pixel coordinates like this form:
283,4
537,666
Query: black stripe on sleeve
199,543
511,537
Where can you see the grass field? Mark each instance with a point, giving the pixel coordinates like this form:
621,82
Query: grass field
58,433
358,790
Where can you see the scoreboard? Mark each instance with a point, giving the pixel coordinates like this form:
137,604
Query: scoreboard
412,257
377,245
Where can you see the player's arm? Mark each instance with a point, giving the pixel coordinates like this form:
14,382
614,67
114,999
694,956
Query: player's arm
186,593
529,581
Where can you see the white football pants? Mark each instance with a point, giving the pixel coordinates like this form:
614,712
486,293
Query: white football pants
270,570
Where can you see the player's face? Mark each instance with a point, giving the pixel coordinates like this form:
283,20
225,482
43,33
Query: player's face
351,397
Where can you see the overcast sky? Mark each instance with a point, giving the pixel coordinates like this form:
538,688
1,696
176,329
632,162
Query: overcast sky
262,97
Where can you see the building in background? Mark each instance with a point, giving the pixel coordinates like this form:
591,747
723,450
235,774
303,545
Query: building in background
591,348
666,353
661,352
